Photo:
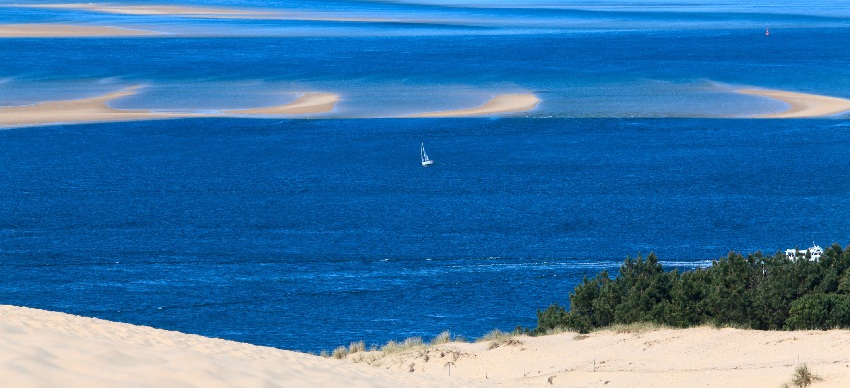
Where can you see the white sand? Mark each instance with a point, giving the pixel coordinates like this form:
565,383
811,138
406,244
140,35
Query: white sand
309,103
800,104
96,109
658,358
65,31
47,349
501,104
41,348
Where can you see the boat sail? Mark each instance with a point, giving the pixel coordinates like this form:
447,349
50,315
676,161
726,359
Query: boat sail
425,161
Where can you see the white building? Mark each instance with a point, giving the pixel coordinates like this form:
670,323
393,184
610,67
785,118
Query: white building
814,253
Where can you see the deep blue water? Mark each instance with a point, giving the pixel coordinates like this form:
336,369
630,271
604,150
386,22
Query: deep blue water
311,234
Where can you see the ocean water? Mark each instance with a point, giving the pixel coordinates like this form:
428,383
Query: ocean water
309,234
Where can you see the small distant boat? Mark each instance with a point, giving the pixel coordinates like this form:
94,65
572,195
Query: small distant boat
814,252
425,160
767,32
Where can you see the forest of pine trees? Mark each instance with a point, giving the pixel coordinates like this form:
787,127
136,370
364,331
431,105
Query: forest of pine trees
757,292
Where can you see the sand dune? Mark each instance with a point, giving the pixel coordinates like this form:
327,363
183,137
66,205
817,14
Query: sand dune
48,349
801,104
65,30
41,348
505,103
306,104
657,358
96,109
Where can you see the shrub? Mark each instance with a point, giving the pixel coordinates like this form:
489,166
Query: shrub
820,311
803,377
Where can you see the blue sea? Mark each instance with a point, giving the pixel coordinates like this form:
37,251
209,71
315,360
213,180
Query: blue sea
307,234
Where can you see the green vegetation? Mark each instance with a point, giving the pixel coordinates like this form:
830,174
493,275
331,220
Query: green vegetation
803,377
442,338
395,347
756,292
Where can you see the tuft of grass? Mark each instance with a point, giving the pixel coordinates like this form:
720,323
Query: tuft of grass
413,341
442,338
803,377
499,338
357,347
635,328
495,335
324,354
340,353
394,347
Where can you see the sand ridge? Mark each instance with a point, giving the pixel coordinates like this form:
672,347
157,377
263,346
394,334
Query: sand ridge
208,12
802,105
306,104
47,30
42,348
153,10
503,103
96,109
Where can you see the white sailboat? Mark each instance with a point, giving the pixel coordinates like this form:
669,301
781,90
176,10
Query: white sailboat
425,161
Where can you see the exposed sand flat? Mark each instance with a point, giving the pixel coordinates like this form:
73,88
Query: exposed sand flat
84,110
96,109
659,358
801,104
48,349
153,9
202,12
65,30
306,104
504,103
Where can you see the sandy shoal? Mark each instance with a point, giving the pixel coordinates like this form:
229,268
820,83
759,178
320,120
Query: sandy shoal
49,349
309,103
504,103
202,12
801,105
162,10
84,110
65,30
703,356
96,109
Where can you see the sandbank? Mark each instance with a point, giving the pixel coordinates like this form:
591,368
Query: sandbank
204,12
96,109
309,103
49,349
85,110
703,356
162,10
801,105
501,104
65,31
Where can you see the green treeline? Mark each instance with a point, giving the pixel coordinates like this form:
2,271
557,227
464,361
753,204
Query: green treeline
758,292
